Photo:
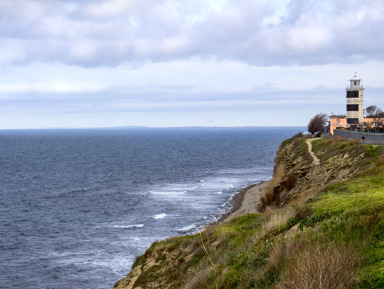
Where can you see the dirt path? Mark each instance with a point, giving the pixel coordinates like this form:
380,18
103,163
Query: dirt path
309,141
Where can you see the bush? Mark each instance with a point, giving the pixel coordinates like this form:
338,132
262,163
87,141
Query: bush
334,140
299,134
317,123
289,182
320,266
272,195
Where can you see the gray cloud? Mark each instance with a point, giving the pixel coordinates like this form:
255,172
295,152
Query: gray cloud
110,33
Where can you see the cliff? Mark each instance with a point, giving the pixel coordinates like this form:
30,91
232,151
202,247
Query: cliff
320,225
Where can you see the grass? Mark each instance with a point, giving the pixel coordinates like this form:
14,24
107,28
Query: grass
353,213
320,266
365,193
326,149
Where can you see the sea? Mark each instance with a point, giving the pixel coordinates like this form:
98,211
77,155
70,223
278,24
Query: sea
77,206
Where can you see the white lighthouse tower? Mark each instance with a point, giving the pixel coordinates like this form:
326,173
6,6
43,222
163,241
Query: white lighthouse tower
355,102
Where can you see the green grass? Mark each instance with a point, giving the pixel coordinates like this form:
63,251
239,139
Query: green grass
365,193
353,212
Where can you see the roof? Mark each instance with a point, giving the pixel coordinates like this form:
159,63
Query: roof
355,77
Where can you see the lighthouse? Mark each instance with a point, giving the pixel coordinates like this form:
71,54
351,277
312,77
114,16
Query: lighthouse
355,102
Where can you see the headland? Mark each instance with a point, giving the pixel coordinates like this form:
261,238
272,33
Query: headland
313,224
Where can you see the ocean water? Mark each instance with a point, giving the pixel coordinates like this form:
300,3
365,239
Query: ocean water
77,206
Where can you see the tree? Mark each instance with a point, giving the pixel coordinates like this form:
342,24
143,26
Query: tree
318,123
376,114
372,111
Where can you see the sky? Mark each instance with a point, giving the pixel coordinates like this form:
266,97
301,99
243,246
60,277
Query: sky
171,63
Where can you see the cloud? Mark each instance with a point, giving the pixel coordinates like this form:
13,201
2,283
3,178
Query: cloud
115,32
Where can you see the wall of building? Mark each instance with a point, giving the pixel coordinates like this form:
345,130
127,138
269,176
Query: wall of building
335,122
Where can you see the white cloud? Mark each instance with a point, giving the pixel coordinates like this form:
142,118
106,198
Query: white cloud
113,32
109,8
155,62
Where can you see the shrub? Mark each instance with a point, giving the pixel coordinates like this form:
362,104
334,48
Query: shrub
317,266
334,140
299,134
353,141
272,195
289,182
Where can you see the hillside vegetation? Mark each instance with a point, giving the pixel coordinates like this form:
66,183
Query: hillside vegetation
321,226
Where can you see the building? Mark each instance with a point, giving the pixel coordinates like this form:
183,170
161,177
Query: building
355,102
337,122
355,111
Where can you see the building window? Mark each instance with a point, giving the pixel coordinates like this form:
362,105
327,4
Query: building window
352,120
352,107
352,94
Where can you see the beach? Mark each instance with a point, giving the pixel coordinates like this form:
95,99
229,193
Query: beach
246,201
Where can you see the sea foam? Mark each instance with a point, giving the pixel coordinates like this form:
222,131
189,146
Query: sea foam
168,193
129,226
159,216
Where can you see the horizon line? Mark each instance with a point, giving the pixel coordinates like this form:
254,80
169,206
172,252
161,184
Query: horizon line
149,127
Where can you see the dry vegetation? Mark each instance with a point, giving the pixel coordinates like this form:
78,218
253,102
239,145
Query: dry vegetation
314,265
272,195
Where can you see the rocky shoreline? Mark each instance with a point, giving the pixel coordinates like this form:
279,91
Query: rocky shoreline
244,202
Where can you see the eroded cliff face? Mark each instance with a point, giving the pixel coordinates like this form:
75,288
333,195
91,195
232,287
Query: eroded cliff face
297,175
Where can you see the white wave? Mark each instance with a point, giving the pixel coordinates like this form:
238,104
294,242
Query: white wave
169,193
128,226
218,185
219,193
159,216
187,228
180,187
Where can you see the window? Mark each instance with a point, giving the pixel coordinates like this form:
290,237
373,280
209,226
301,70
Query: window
352,94
352,107
352,120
